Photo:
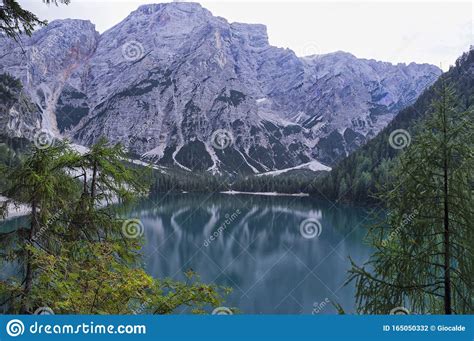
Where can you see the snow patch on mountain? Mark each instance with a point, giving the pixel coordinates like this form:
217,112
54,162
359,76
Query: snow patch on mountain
314,166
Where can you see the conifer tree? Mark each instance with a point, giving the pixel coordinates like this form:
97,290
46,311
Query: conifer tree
424,257
43,184
77,257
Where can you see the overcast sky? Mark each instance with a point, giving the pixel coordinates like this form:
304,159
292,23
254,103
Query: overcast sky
394,31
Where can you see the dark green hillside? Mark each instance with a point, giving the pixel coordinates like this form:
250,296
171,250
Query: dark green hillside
357,177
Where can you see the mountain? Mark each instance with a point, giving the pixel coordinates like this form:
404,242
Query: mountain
19,115
357,177
181,87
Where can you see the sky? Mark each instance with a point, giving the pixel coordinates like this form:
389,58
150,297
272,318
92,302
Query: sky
394,31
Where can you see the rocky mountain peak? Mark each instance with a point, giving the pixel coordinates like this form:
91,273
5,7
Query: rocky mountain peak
171,78
255,35
191,8
167,17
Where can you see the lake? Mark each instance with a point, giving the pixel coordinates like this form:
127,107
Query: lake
281,255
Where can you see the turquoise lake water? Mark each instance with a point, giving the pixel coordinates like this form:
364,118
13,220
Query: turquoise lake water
280,255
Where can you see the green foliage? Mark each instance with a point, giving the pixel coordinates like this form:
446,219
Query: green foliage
74,257
8,157
296,181
111,177
182,181
194,156
424,258
88,278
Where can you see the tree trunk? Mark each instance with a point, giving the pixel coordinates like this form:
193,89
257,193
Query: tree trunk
94,175
447,253
29,268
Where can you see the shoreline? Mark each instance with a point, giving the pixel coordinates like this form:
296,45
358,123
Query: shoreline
273,194
14,211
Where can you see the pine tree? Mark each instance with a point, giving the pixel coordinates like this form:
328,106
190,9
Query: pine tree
42,183
424,251
79,255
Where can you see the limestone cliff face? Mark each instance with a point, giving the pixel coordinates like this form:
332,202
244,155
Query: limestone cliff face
19,116
175,84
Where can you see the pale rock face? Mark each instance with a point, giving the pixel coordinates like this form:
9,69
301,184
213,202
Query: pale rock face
45,62
171,79
19,116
